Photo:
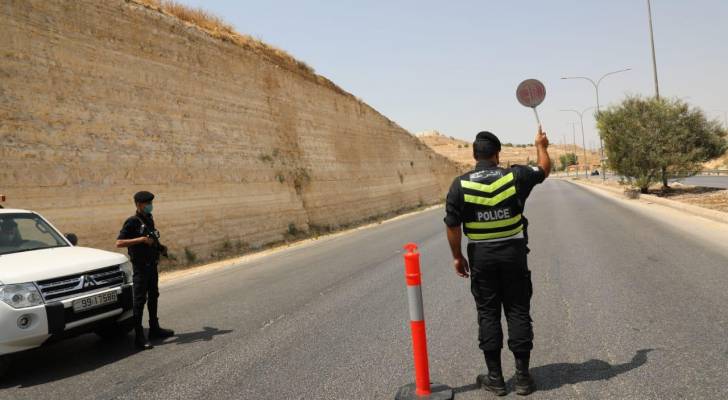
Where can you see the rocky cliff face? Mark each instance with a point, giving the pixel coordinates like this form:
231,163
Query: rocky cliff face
100,99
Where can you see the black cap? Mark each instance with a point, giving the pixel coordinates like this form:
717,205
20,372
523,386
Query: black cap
486,144
143,197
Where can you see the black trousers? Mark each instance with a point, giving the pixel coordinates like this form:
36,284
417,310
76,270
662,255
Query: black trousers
500,278
146,290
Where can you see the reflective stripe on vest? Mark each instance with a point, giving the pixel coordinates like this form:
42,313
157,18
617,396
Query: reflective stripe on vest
495,235
482,187
493,224
491,201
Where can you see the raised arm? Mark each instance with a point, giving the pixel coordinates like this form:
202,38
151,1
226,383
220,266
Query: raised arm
542,155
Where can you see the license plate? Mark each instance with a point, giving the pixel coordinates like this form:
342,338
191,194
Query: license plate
94,301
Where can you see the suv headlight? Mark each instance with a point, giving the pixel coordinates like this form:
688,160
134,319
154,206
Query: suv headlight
20,295
126,268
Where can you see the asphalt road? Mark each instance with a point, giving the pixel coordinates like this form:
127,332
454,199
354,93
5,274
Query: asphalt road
707,181
625,307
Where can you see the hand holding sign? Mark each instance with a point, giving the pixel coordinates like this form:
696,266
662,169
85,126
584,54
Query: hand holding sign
541,139
531,93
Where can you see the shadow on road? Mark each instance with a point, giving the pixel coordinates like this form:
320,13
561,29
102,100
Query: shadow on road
465,389
83,354
553,376
205,335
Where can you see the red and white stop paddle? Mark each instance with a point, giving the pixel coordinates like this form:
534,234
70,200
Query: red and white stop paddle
531,93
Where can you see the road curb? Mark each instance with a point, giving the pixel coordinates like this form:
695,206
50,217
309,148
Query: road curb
166,277
713,215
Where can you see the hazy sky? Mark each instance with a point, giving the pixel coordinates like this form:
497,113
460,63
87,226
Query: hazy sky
454,66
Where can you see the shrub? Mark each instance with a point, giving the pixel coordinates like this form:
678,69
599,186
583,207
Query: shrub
190,255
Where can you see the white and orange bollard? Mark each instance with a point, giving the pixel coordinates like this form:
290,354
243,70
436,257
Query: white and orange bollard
422,388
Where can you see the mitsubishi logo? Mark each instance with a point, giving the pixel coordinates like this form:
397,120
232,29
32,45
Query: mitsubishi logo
87,281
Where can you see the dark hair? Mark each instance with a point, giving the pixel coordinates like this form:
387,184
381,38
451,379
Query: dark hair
486,145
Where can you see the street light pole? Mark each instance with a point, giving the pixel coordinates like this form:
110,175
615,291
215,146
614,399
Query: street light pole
573,140
596,90
599,81
583,141
565,145
583,144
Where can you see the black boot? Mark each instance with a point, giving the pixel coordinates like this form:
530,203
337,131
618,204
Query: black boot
524,382
157,332
493,381
140,342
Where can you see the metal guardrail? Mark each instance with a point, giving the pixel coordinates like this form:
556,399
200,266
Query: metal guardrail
716,172
711,172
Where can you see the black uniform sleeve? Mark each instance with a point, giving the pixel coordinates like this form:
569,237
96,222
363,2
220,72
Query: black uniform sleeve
454,204
130,230
527,177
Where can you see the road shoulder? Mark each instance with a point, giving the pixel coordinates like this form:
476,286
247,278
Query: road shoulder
703,227
713,215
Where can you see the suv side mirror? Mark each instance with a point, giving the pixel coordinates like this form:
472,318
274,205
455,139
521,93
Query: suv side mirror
72,238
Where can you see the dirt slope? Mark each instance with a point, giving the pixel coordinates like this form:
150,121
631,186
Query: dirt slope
460,151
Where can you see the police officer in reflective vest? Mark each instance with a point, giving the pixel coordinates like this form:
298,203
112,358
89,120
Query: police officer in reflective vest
141,239
488,204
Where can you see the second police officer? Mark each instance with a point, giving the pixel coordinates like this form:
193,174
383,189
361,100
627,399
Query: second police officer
488,204
141,239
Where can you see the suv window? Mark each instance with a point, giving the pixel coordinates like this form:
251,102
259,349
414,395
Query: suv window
26,232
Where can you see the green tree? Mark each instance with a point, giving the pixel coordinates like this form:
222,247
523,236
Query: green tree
648,139
566,160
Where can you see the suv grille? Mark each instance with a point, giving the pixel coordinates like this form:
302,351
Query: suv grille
58,288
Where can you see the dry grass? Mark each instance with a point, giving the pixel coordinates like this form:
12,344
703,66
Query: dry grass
712,198
218,28
197,16
716,199
718,163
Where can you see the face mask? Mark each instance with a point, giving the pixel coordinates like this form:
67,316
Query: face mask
148,208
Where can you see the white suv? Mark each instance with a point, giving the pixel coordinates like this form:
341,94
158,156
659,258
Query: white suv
50,289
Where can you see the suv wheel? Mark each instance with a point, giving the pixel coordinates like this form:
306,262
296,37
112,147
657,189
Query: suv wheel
115,330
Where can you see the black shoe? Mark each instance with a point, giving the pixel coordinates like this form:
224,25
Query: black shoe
160,333
141,343
524,384
492,384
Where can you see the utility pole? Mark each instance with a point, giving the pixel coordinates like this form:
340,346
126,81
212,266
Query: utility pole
654,71
652,43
